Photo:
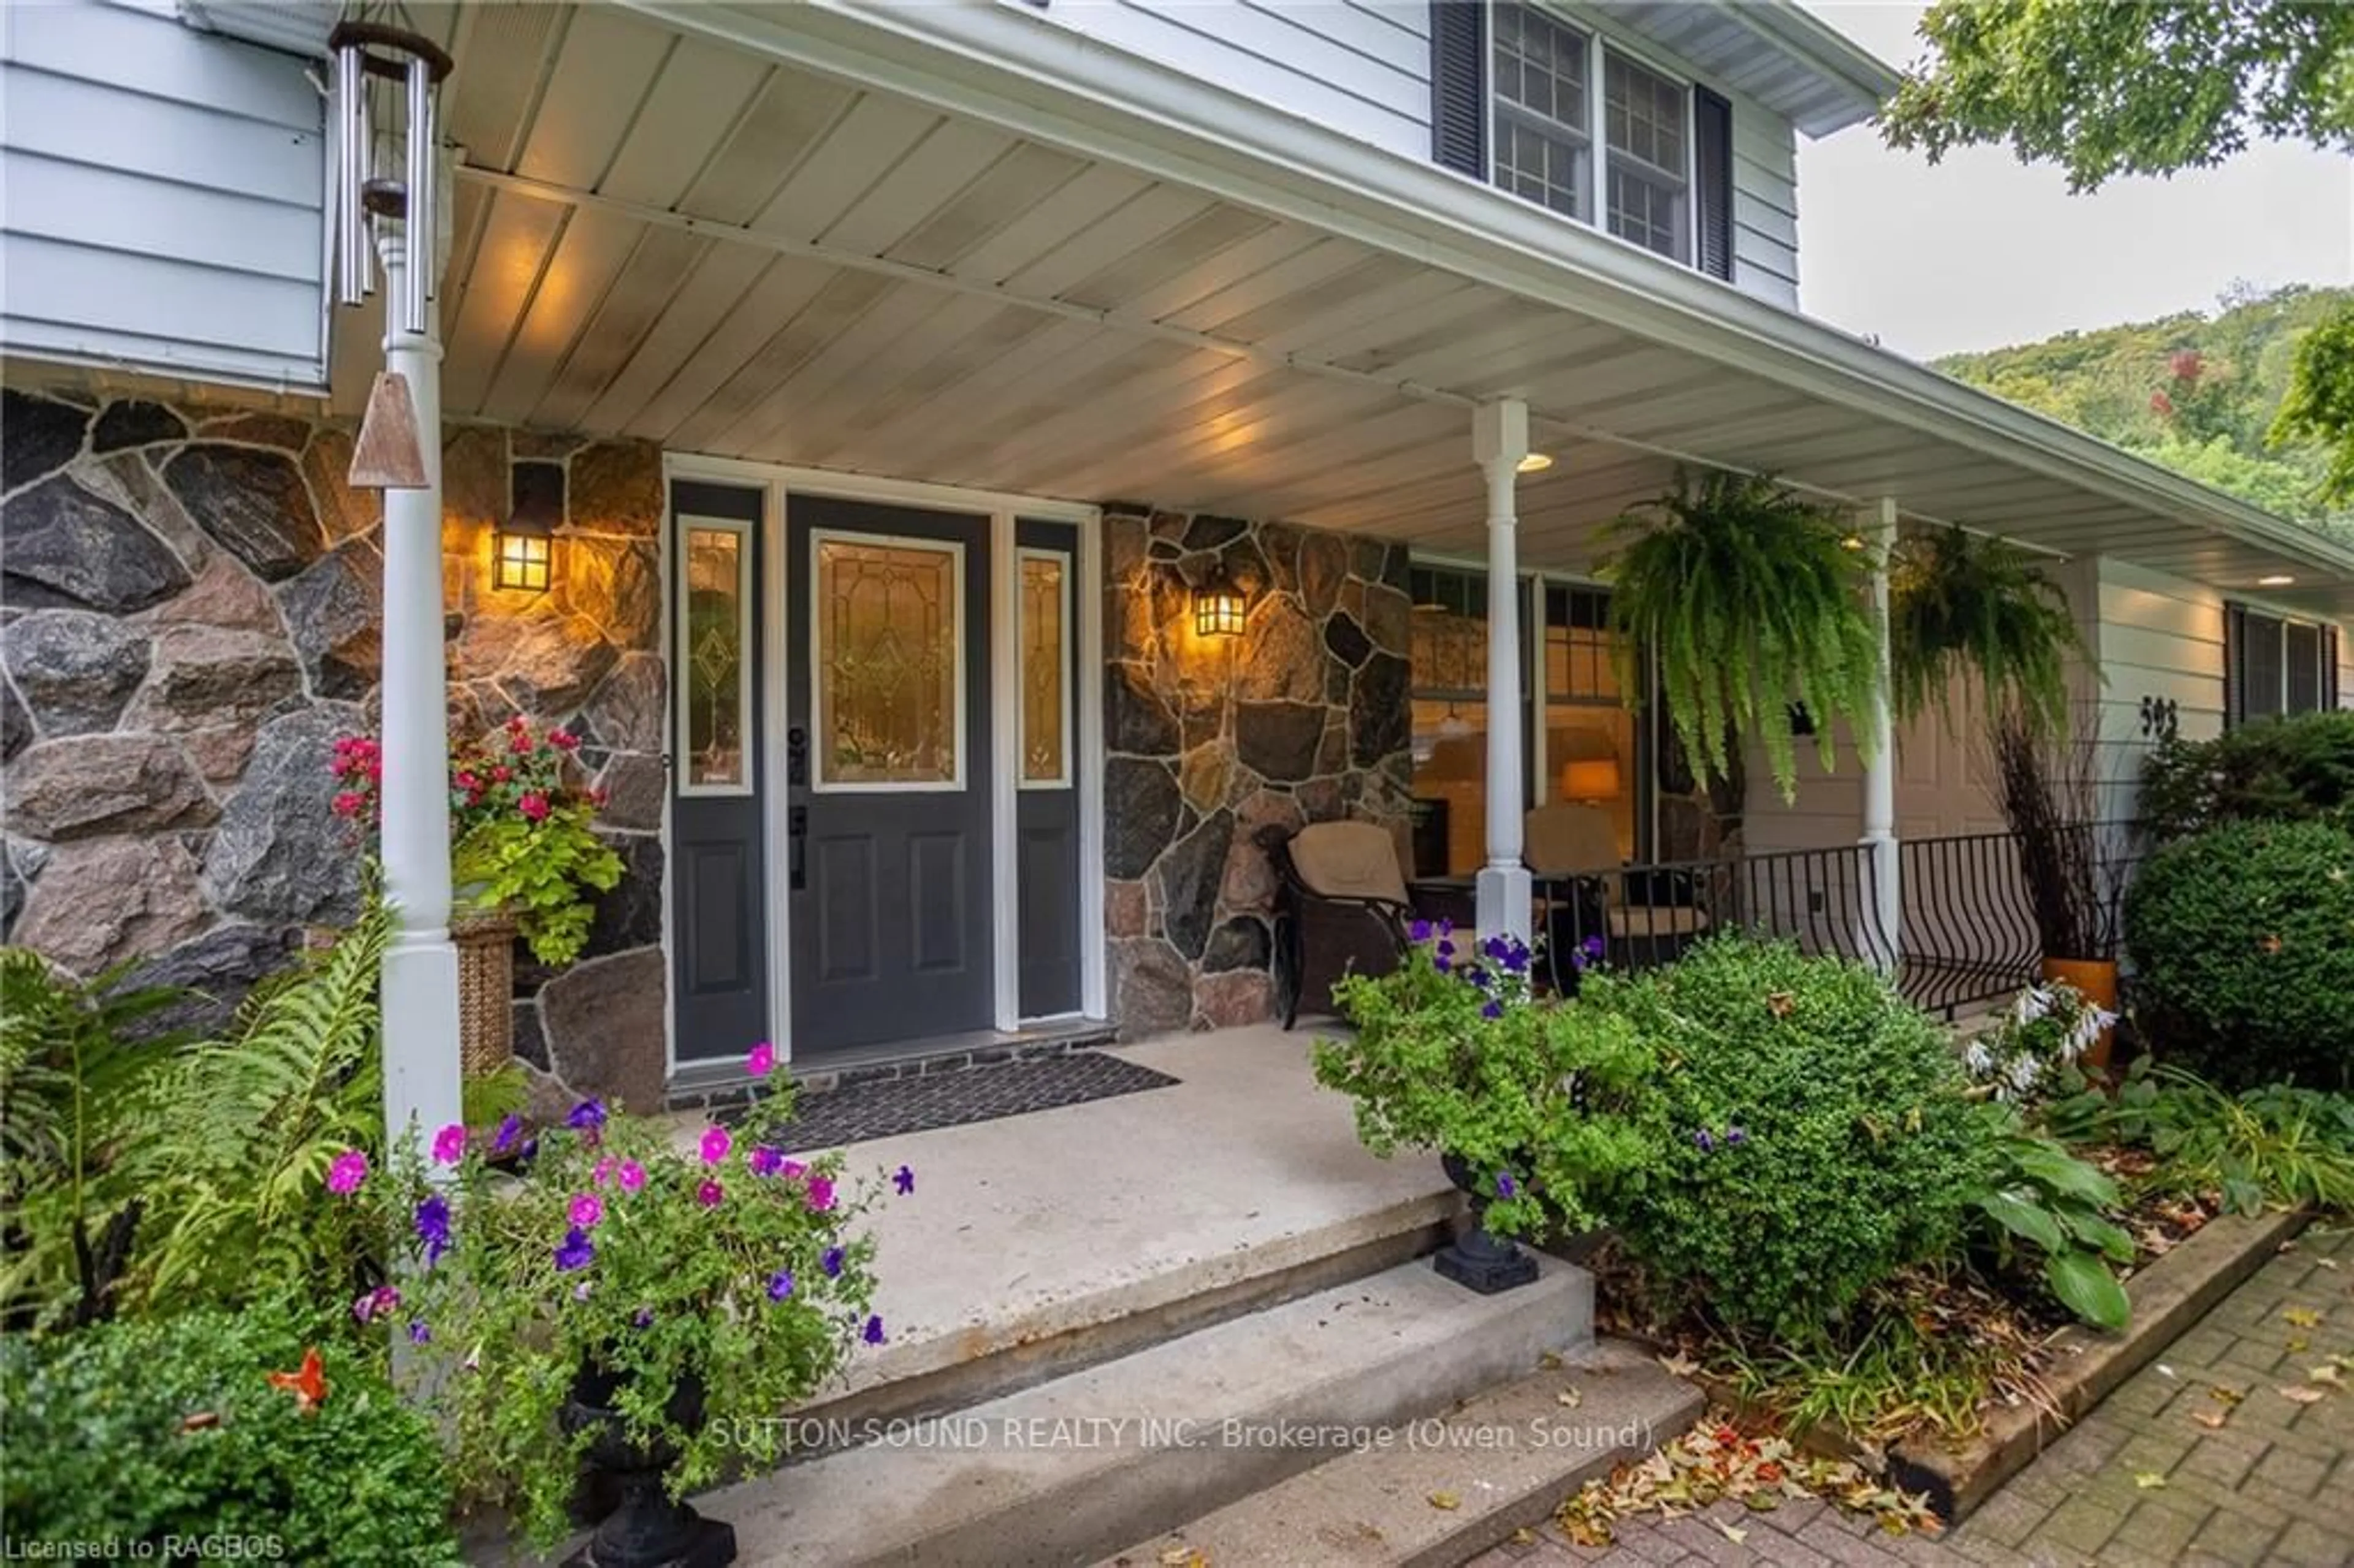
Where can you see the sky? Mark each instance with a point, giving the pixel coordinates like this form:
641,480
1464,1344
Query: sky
1981,252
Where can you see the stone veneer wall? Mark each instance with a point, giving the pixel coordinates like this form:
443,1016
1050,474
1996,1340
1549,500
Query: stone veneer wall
190,605
1302,719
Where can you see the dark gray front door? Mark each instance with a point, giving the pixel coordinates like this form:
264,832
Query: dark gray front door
1046,807
719,955
887,773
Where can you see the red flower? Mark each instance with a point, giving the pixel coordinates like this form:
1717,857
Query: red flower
520,744
466,780
2161,405
502,773
348,803
597,797
534,806
2187,365
308,1386
562,739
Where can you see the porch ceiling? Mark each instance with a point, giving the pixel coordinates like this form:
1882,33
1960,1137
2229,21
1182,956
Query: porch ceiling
675,236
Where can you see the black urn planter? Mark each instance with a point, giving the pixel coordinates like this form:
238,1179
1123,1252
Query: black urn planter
649,1529
1475,1259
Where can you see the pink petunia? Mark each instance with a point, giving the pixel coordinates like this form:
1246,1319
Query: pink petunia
709,1195
821,1194
587,1209
450,1145
349,1170
633,1175
605,1168
762,1061
716,1145
792,1169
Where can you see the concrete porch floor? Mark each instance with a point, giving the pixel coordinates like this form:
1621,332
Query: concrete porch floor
1242,1183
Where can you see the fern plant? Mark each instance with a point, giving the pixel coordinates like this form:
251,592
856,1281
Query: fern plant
1749,599
231,1147
1963,605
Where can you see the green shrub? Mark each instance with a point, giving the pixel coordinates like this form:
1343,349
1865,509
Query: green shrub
2289,770
1810,1133
139,1432
2243,945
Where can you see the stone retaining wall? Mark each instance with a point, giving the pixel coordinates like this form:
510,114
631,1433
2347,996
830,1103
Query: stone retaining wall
1304,718
190,608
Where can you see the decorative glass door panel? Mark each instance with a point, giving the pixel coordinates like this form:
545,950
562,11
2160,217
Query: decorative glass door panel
888,663
715,617
1045,665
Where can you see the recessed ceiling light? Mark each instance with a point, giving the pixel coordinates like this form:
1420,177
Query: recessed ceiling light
1535,462
2278,579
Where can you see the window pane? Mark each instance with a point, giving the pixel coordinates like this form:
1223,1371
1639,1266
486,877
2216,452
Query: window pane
888,663
2303,669
1643,115
1542,112
1044,661
715,657
2259,668
1450,785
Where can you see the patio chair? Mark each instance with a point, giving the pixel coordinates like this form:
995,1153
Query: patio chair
1644,917
1341,908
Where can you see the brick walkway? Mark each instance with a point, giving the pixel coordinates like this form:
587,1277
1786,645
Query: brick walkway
2275,1485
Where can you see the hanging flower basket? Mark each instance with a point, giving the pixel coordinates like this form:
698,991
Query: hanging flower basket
485,942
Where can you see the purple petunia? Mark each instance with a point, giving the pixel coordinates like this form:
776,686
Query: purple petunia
349,1170
1446,949
419,1333
764,1160
575,1251
1592,947
589,1116
781,1285
644,1318
510,1129
873,1333
1505,1186
904,1179
1419,930
433,1228
831,1262
384,1299
1736,1136
1703,1142
710,1194
1493,1009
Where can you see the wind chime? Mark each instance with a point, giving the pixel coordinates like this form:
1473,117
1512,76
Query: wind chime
392,73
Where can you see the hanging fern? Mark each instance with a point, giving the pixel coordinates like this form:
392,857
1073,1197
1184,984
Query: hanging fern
1968,606
1750,600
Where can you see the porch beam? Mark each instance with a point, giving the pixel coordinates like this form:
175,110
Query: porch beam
1885,943
1499,439
420,986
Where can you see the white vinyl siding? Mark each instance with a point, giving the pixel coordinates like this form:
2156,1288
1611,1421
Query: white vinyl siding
1765,204
161,197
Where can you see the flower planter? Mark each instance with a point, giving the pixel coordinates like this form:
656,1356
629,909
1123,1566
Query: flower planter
1476,1259
649,1529
486,941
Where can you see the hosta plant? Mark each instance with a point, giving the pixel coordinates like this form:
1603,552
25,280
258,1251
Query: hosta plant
622,1251
2030,1048
2042,1198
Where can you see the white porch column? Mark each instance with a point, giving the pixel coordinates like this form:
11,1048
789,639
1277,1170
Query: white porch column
421,964
1499,439
1885,940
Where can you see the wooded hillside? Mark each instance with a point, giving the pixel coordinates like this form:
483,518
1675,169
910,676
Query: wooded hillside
2193,391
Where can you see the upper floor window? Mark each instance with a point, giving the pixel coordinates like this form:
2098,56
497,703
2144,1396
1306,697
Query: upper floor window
2273,667
1554,114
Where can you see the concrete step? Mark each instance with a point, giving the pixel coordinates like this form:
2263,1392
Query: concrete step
1506,1458
1078,1467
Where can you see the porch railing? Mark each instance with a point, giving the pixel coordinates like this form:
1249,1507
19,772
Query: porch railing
1968,932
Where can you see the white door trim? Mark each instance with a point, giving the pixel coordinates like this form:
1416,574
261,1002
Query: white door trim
782,481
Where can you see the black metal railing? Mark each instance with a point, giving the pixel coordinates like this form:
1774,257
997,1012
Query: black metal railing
1966,927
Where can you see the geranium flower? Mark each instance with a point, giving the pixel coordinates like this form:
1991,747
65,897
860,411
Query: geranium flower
534,806
347,803
587,1210
821,1194
904,1180
781,1285
633,1175
349,1170
562,739
831,1262
762,1061
716,1145
575,1251
764,1160
873,1334
710,1194
433,1228
510,1129
450,1145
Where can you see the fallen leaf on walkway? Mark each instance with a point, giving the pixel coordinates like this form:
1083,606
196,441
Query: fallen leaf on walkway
1679,1364
2212,1420
1524,1537
1184,1557
2327,1372
2325,1263
2225,1395
2165,1370
2298,1344
1729,1533
2302,1316
2300,1394
1549,1362
1448,1501
2149,1480
1570,1397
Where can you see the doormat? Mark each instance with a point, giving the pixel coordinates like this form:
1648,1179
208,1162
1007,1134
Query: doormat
855,1112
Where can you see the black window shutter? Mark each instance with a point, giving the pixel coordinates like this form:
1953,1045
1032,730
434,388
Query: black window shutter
2235,643
1459,86
1712,150
2330,696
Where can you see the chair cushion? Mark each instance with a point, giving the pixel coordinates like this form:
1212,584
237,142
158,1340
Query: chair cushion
1641,920
1349,860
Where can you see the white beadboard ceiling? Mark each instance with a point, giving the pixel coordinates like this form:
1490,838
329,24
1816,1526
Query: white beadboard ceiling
665,236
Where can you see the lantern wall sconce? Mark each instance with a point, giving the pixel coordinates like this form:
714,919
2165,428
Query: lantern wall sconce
523,548
1219,607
